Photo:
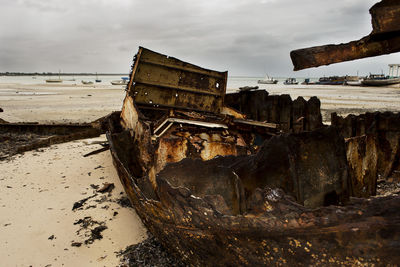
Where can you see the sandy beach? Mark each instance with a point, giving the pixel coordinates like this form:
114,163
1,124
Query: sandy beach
38,189
46,103
38,226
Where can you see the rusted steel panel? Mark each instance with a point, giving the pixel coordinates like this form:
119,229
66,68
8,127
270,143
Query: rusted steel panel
279,232
385,16
330,54
211,190
384,39
153,95
362,157
159,80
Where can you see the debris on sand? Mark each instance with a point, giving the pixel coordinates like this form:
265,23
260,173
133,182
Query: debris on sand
96,234
76,244
107,188
147,253
91,229
81,202
124,202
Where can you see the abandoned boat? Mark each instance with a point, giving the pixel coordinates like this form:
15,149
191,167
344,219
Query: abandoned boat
217,189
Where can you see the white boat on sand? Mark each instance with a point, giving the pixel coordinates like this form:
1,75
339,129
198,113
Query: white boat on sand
267,80
87,82
380,80
123,81
54,81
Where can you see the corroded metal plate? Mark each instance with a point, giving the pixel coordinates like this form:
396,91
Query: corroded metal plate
161,81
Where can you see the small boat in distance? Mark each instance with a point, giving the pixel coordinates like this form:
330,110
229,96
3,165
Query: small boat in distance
97,79
380,80
123,81
59,80
54,81
357,82
87,82
290,81
307,81
267,80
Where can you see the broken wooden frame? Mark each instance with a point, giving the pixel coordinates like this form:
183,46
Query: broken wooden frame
384,39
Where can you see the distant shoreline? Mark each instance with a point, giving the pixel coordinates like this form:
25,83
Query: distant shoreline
59,74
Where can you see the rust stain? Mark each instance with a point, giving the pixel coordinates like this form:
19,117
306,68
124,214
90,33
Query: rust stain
384,39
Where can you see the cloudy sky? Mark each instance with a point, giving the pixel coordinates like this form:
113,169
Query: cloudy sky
245,37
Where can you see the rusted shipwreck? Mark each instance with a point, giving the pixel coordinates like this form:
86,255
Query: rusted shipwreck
218,189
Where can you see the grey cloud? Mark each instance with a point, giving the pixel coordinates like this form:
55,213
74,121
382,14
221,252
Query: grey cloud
245,37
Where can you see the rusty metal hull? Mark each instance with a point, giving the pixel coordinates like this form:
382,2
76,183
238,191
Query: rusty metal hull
219,190
363,232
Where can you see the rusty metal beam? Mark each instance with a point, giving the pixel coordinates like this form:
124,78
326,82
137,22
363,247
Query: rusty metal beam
384,39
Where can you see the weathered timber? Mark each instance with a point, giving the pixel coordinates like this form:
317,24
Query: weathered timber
384,39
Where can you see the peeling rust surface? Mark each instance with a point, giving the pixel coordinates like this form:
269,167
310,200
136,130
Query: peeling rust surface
362,155
384,39
158,80
220,190
282,233
372,132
